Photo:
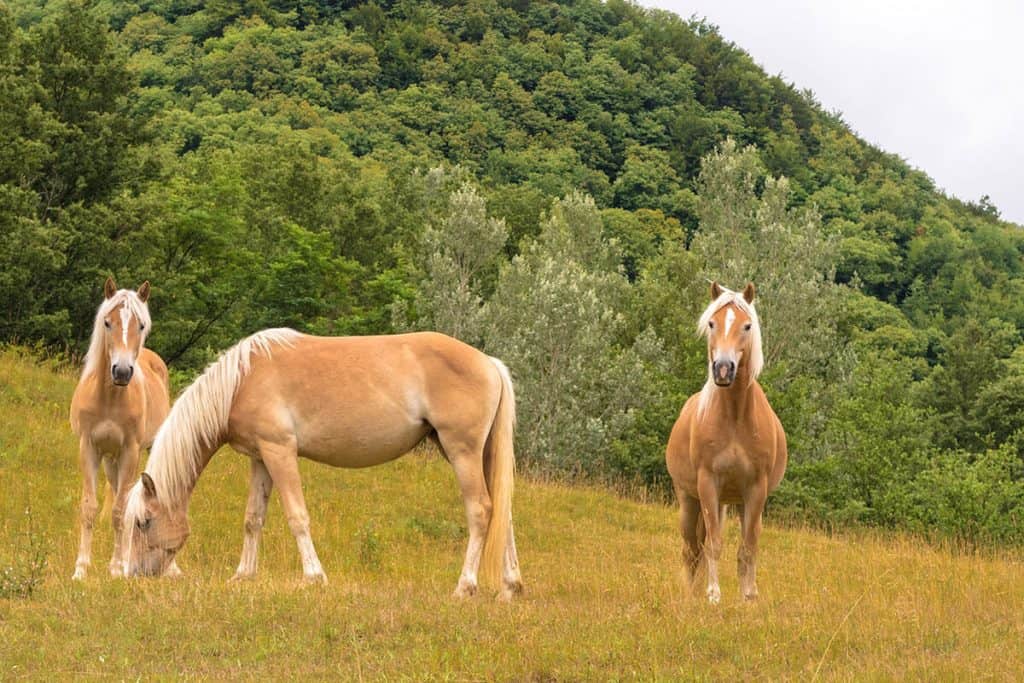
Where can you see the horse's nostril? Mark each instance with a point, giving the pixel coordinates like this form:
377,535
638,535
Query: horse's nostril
122,373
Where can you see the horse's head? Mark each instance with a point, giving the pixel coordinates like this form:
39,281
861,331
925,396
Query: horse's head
155,530
125,319
734,335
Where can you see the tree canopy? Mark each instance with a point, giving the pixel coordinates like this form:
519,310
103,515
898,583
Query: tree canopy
552,181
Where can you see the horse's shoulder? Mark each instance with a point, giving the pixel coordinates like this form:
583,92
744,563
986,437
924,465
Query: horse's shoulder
82,395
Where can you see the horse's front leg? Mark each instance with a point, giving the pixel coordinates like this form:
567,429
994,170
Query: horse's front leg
121,476
712,512
691,527
260,486
89,463
746,558
282,462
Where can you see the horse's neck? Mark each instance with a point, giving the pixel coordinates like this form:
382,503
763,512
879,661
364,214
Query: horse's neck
735,402
99,373
189,477
205,456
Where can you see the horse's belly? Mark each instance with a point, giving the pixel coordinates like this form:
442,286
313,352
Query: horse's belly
359,445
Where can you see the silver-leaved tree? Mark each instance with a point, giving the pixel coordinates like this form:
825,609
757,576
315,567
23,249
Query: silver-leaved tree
556,318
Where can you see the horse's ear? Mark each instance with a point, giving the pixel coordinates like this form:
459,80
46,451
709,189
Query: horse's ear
716,290
143,291
109,288
748,293
148,486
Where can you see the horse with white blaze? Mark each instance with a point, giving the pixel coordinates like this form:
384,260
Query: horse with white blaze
119,403
728,446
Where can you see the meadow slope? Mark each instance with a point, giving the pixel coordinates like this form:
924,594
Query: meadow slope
604,595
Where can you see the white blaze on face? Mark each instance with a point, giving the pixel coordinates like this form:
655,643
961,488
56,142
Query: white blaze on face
126,316
730,318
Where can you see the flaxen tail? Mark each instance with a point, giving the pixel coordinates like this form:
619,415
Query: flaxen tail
500,464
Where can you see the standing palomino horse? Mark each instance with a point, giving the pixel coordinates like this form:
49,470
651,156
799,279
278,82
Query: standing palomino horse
727,447
117,407
346,402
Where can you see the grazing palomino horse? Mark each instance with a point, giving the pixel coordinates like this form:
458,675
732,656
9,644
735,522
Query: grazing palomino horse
117,407
342,401
727,447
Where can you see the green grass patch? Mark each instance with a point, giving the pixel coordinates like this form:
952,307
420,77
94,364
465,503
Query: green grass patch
604,595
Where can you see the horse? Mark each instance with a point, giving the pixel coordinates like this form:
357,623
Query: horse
118,405
343,401
727,446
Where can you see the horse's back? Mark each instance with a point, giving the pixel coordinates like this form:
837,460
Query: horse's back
775,453
781,456
154,366
356,401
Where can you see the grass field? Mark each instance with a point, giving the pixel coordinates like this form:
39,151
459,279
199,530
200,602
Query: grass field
604,597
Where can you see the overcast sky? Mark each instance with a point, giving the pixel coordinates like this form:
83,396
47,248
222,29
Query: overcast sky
938,82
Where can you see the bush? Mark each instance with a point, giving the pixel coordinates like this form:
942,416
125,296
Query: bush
22,573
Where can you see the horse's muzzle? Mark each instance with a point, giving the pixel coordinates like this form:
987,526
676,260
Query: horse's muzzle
122,374
723,372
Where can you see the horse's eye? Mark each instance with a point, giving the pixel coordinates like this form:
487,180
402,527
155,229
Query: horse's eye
746,328
142,524
711,324
141,327
106,323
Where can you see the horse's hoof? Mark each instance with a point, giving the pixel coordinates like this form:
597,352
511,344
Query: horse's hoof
750,597
714,595
464,591
173,572
509,591
318,578
116,569
79,574
242,576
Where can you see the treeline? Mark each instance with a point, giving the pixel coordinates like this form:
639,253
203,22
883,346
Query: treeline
552,182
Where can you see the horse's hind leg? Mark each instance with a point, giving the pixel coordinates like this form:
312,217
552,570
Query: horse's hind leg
511,579
466,456
282,462
260,486
746,558
89,463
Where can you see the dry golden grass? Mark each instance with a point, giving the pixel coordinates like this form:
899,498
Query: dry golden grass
604,594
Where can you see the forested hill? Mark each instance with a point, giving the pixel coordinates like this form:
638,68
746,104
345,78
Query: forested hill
551,181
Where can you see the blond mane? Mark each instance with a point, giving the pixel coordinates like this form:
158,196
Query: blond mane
756,356
200,416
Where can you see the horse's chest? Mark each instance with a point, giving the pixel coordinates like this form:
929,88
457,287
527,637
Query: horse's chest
107,436
728,459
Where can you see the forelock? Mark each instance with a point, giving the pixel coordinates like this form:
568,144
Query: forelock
724,299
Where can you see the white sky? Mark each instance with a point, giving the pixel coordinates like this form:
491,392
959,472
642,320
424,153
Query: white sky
939,83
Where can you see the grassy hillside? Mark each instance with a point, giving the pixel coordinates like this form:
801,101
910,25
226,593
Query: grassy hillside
604,597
